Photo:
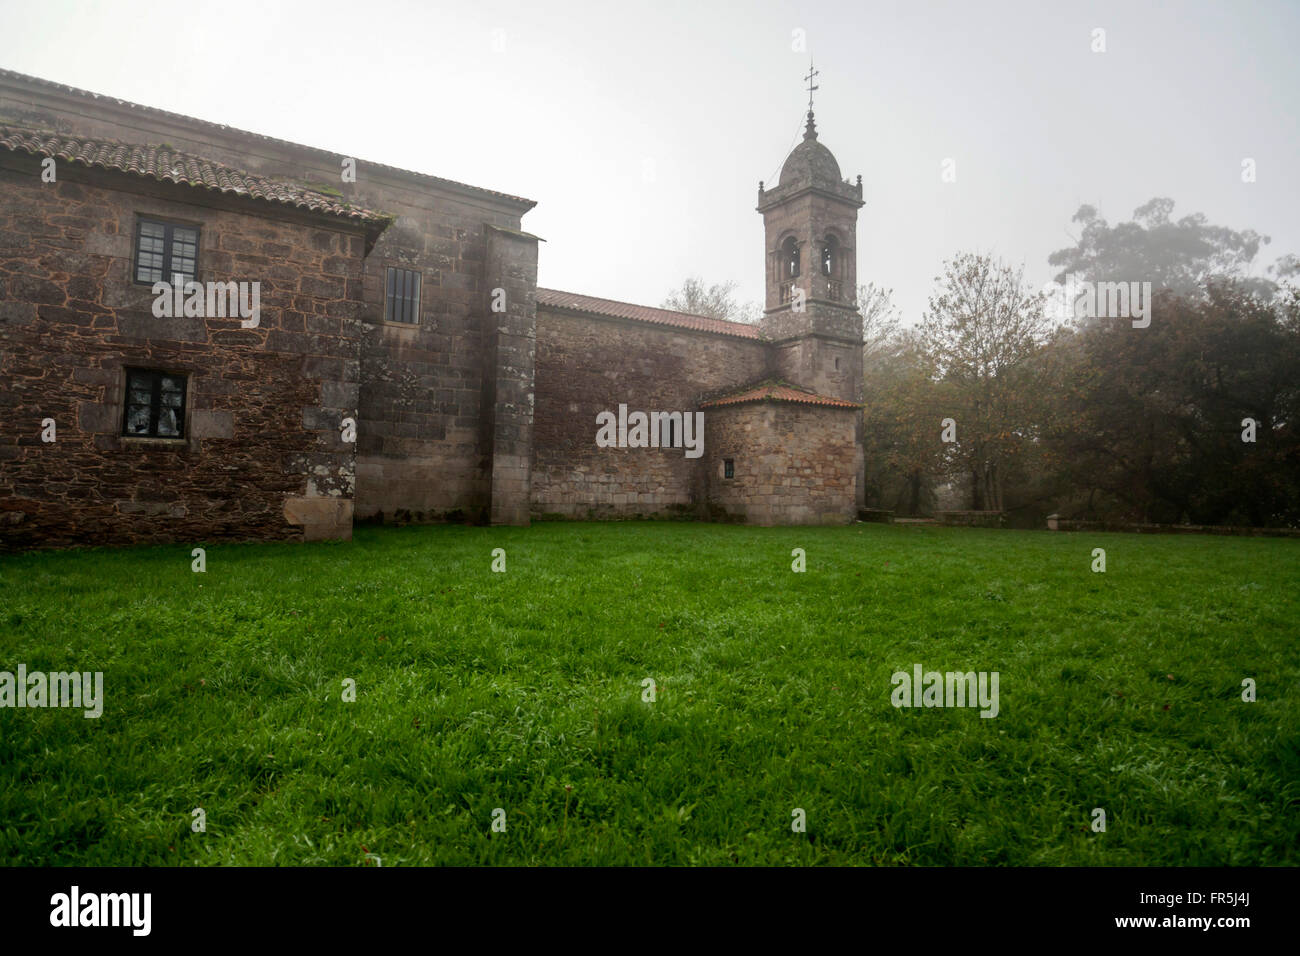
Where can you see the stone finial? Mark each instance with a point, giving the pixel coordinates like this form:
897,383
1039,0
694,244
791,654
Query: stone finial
810,131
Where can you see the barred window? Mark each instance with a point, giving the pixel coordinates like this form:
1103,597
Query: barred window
728,468
155,404
165,252
402,299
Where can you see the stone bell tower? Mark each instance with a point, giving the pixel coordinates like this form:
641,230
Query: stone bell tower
810,257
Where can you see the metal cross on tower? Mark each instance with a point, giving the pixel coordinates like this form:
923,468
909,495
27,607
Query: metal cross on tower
812,74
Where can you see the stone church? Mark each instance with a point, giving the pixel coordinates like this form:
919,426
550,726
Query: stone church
400,362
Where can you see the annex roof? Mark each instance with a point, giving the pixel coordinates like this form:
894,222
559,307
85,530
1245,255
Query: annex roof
644,313
37,82
165,164
775,391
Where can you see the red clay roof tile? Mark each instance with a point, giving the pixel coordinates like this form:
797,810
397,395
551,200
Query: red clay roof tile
778,392
36,81
165,164
645,313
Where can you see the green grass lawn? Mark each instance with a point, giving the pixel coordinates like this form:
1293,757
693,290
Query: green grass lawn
523,691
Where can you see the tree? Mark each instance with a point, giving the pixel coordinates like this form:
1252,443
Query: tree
902,408
1180,256
1154,419
879,319
717,301
982,328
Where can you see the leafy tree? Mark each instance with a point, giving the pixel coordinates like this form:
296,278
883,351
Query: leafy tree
903,404
979,334
1153,418
879,319
717,301
1181,256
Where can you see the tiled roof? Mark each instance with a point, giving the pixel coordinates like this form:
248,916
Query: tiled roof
26,80
778,392
644,313
165,164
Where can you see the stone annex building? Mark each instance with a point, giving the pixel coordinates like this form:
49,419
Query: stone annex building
404,364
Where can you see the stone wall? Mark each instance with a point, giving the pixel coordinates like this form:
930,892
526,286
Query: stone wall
586,365
510,351
422,451
262,456
790,464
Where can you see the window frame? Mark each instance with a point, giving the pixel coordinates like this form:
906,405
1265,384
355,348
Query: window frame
728,469
155,404
168,230
414,307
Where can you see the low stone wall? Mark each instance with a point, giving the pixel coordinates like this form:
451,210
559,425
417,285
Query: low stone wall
1057,523
972,519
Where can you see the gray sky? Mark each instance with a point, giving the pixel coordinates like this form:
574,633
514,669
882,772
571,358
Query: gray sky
642,129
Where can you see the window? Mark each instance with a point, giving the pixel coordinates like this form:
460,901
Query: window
789,259
165,252
830,252
728,468
155,404
402,299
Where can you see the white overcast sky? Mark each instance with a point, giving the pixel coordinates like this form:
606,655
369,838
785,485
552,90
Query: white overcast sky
642,129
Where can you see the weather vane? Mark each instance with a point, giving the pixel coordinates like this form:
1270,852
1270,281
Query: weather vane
812,74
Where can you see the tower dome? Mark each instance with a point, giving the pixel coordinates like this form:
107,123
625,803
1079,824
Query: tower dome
810,163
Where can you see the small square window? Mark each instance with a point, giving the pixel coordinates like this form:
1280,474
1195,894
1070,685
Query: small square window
402,296
728,468
165,252
155,404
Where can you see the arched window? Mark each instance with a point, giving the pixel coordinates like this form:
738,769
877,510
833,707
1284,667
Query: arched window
830,256
789,259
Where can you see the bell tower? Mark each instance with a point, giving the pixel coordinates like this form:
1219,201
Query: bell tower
810,223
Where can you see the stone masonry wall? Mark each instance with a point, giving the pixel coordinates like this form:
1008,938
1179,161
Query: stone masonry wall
510,350
793,464
422,452
262,455
586,365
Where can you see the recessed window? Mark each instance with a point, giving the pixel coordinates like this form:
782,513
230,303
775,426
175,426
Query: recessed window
830,254
789,259
165,252
402,298
155,404
728,468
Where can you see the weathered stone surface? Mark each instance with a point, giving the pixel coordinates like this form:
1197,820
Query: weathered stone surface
792,464
225,478
587,365
468,413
